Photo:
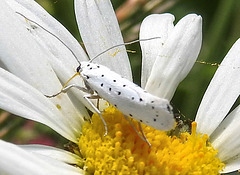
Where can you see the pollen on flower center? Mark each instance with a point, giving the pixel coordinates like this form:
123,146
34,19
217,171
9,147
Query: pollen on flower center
123,152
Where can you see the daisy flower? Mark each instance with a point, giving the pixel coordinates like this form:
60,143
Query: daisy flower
35,62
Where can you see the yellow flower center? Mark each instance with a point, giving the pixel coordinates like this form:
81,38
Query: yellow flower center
123,152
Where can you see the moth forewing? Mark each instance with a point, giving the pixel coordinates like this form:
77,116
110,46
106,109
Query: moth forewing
129,98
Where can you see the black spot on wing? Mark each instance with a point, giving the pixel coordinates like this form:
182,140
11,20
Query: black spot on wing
168,108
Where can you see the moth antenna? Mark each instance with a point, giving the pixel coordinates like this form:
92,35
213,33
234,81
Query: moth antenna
51,34
123,44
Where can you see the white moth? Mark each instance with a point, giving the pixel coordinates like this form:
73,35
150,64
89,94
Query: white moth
129,98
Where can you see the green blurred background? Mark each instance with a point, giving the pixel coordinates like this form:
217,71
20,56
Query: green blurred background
221,28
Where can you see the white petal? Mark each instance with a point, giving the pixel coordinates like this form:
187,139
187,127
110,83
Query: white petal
226,137
15,161
35,12
99,30
221,93
22,99
156,25
232,165
176,57
55,153
36,55
18,50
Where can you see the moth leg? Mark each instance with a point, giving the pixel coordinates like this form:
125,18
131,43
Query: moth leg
98,103
65,89
87,98
143,137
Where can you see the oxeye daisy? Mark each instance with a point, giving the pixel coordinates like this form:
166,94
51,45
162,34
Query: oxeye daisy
38,55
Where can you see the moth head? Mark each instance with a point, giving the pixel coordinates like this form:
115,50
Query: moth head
78,69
